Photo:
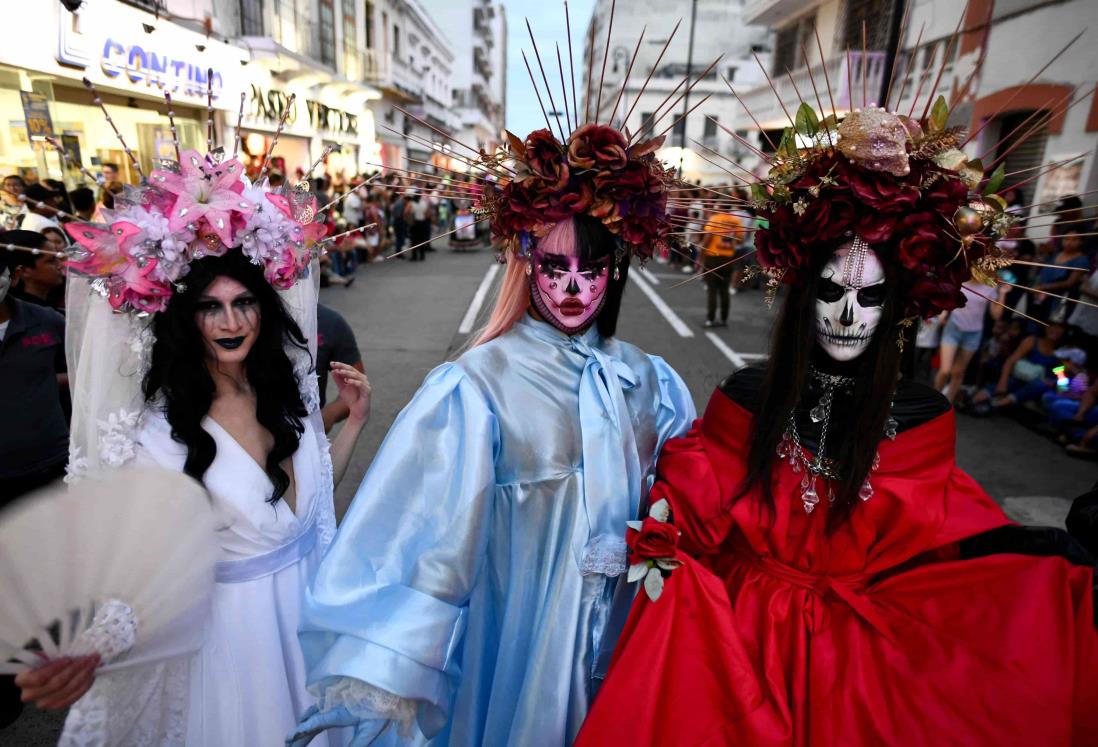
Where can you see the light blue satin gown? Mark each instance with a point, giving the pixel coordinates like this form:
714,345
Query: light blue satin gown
455,578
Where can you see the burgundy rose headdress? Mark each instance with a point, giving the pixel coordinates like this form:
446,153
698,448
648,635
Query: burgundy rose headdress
902,185
595,173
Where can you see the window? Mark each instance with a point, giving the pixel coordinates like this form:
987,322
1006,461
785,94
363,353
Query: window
645,117
788,41
396,41
350,40
385,30
679,132
710,127
327,32
251,17
876,15
368,14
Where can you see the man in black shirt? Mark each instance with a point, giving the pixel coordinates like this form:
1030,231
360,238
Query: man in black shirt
335,342
34,437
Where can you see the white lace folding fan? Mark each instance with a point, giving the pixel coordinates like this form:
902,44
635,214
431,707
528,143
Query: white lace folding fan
122,565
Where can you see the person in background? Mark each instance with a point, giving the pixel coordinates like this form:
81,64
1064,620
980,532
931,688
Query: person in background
722,235
106,196
83,203
34,439
335,342
42,206
40,279
927,340
420,211
1083,319
110,173
962,335
1072,407
1027,373
1063,280
275,179
11,209
397,220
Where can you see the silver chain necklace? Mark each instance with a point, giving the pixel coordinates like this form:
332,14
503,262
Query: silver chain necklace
818,465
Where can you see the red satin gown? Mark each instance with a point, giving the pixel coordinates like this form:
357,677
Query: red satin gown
775,633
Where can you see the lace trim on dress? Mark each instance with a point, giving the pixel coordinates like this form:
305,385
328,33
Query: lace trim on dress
366,702
145,705
605,554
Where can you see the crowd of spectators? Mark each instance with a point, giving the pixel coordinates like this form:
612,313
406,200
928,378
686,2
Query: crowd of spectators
1029,347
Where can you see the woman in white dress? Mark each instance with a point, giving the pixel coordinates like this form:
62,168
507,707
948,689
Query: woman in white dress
224,405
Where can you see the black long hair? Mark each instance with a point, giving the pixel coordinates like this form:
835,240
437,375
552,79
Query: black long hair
856,431
179,375
593,242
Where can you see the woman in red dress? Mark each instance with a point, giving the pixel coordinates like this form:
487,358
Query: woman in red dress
837,579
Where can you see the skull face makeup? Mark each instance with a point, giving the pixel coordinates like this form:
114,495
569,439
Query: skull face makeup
850,300
567,290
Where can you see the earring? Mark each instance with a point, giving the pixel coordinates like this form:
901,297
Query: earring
553,286
617,274
529,270
594,288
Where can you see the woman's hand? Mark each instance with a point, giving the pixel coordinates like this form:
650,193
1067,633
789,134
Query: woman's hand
354,390
59,683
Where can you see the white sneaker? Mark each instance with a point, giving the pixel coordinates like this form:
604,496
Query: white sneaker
687,270
732,291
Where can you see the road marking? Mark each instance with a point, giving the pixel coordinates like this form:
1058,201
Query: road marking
737,360
754,356
649,276
672,318
471,313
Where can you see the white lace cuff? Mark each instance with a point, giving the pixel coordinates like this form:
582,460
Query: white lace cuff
364,701
605,554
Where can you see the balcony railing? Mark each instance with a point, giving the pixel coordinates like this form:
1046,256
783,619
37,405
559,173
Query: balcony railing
847,86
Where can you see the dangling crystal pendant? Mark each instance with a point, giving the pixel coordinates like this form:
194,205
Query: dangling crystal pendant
866,492
795,465
809,497
818,412
890,428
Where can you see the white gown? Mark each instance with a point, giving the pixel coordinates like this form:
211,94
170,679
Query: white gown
246,685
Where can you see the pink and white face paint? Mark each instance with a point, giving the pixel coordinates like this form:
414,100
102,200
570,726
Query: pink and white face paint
567,291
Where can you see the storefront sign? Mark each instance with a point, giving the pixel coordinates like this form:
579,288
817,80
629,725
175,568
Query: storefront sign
268,105
158,69
36,110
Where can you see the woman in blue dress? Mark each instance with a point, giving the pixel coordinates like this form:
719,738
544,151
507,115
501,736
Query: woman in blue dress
470,589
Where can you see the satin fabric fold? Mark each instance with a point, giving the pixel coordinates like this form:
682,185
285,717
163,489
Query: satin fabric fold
877,633
455,576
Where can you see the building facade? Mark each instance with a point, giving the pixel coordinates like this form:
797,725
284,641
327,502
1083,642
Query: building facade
985,75
698,144
478,34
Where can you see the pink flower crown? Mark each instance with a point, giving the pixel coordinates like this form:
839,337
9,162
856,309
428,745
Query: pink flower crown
203,208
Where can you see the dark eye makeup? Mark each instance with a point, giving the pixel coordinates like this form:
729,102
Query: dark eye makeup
872,295
830,291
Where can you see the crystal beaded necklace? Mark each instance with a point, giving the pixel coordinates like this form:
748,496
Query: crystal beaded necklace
819,465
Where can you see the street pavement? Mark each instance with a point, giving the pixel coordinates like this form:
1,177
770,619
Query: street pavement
406,317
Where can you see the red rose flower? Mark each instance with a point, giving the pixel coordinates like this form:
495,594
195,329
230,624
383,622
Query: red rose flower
946,194
826,219
598,146
933,294
545,159
880,191
921,241
654,541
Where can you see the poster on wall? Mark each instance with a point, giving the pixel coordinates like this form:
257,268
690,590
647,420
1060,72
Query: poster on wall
71,144
1060,182
36,110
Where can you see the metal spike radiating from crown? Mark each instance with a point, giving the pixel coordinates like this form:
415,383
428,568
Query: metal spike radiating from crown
209,111
171,124
239,126
98,101
274,140
68,159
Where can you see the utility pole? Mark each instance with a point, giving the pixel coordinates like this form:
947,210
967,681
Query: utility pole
689,72
894,42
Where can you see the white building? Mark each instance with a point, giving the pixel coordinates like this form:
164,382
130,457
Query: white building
410,59
308,49
987,75
477,30
719,29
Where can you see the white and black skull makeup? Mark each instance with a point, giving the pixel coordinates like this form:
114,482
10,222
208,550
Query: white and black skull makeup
850,301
